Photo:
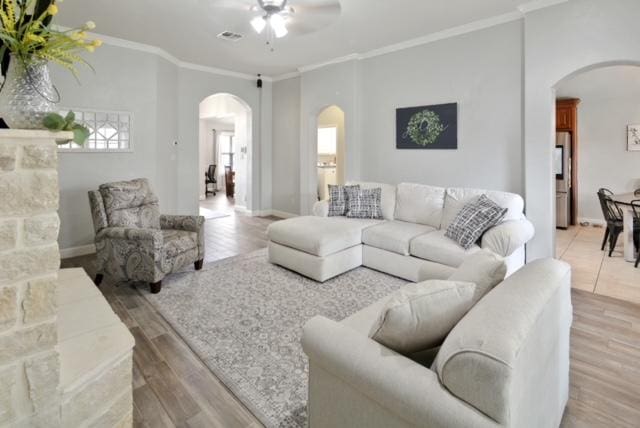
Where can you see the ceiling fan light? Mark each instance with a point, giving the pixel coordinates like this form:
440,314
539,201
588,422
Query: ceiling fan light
258,23
278,25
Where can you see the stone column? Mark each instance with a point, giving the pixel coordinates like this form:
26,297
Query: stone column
29,263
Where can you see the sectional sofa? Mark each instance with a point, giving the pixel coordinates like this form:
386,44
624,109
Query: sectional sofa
409,242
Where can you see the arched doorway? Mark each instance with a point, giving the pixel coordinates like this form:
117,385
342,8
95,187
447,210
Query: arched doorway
225,141
330,149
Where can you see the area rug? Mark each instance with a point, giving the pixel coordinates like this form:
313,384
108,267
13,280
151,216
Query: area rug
243,316
211,214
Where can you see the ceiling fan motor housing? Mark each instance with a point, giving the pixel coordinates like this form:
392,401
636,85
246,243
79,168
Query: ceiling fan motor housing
272,6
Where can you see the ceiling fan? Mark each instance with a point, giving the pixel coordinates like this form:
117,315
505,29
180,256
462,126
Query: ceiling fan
282,17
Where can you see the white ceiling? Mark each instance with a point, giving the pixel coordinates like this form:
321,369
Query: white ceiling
187,29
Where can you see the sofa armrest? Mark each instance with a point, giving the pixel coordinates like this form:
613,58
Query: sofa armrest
188,223
405,388
321,208
508,236
131,234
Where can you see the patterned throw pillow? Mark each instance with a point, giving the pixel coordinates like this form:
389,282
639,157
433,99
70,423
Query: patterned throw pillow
364,203
473,220
338,199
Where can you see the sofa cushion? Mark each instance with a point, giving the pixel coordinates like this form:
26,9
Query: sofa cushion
394,235
419,316
388,199
338,200
456,198
364,203
473,220
131,204
320,236
484,268
178,241
438,248
419,203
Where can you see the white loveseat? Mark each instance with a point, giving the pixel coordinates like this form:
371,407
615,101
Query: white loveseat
505,364
409,242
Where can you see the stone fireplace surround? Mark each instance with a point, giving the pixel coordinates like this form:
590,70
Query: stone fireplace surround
65,357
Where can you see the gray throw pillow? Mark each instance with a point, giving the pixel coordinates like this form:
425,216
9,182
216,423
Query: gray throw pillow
420,316
475,218
338,199
364,203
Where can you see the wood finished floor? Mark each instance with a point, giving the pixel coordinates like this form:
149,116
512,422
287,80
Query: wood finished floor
173,388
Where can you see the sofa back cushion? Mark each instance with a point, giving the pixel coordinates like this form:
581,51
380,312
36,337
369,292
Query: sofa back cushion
419,203
485,269
457,197
131,204
388,199
512,347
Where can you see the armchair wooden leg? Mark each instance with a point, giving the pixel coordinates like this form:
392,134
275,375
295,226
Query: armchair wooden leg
198,264
98,280
155,287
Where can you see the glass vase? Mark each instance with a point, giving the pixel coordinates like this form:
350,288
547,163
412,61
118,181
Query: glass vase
27,94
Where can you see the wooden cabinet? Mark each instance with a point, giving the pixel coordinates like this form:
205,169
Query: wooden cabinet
567,121
566,112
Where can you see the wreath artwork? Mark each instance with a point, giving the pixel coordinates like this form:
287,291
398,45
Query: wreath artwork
424,128
427,127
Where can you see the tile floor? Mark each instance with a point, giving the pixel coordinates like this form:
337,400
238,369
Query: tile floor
594,270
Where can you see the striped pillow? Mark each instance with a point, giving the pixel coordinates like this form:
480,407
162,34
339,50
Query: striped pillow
364,203
338,199
473,220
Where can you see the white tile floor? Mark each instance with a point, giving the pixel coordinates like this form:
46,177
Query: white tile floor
593,270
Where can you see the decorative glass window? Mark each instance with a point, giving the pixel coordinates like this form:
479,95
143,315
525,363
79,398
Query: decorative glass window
109,131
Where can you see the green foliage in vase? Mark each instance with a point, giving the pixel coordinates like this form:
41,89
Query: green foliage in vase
55,122
26,32
424,128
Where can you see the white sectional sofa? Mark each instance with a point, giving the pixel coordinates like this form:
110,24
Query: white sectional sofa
409,242
505,363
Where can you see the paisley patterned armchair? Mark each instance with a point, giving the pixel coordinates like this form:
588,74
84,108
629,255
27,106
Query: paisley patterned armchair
134,242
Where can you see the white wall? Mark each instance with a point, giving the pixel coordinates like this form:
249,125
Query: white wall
482,72
286,146
164,100
124,80
195,86
609,101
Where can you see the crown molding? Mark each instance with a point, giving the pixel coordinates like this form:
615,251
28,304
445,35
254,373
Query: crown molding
155,50
445,34
522,10
538,4
286,76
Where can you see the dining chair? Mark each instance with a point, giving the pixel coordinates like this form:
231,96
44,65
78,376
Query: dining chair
613,217
635,206
210,178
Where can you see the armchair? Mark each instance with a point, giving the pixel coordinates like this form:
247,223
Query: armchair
134,242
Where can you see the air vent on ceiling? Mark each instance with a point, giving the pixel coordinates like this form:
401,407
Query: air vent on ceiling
229,35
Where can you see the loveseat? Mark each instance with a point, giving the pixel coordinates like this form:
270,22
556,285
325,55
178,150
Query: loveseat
409,242
504,364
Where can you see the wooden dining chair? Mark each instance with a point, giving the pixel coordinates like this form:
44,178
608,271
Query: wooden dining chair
613,217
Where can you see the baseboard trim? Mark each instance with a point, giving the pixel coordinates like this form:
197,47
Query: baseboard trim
282,214
81,250
592,221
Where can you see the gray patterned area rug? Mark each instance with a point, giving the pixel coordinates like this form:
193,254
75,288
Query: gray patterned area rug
243,316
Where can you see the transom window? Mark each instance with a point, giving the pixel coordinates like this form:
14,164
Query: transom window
109,131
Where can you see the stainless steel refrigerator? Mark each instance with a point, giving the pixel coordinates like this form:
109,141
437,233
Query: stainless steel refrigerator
562,170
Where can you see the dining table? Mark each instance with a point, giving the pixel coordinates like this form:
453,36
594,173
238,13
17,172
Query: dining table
623,200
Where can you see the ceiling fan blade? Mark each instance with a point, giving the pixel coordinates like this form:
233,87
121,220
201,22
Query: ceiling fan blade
310,18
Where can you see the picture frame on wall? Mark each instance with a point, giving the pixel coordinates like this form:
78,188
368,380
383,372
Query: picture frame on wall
633,138
433,127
